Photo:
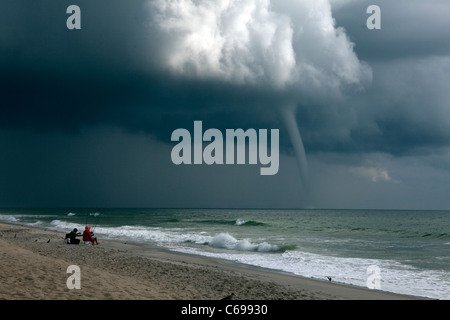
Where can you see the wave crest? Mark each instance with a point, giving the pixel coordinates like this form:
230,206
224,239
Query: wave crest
227,241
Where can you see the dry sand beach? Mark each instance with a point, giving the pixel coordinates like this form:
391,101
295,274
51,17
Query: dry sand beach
34,264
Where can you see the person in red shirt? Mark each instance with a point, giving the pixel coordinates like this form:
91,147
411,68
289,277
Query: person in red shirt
87,236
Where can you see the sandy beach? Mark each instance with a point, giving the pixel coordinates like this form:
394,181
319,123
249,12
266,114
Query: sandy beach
34,263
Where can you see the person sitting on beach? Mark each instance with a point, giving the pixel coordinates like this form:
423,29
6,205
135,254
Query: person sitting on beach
87,235
72,236
93,236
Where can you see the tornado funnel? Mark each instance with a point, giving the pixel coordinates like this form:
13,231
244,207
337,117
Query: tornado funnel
288,116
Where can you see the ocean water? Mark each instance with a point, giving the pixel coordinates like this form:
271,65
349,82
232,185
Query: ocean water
405,252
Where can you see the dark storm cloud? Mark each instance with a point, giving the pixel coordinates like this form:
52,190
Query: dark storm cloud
405,110
53,78
409,28
56,79
105,85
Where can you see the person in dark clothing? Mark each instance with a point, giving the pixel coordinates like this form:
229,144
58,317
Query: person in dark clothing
72,236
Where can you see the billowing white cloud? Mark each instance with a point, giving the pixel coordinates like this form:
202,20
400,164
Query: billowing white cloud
233,40
373,174
283,44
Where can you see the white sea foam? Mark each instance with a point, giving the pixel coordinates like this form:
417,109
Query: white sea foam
395,277
8,218
162,237
227,241
64,225
21,218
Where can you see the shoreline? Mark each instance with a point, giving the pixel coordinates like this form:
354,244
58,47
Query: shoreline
34,266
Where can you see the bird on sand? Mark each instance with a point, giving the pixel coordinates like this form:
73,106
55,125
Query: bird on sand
228,297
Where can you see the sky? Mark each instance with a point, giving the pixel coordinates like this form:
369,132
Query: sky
86,115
